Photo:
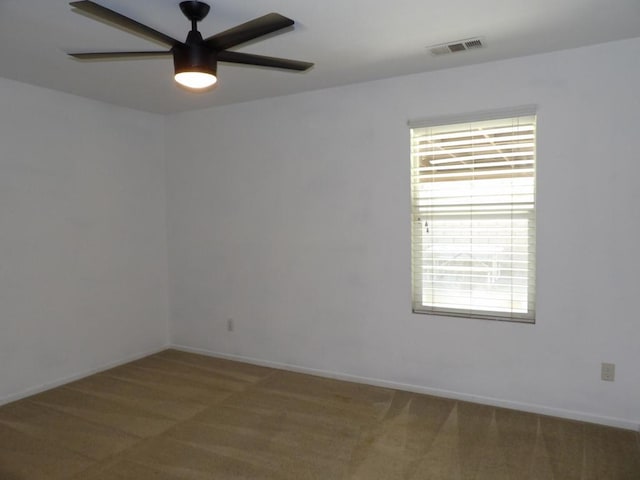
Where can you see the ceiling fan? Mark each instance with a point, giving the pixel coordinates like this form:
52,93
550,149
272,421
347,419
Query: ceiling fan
195,60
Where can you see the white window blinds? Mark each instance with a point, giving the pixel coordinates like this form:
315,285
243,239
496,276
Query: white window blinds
473,218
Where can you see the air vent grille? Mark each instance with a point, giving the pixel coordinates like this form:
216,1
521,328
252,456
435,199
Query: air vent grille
457,46
475,43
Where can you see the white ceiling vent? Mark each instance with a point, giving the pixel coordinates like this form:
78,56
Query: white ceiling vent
457,46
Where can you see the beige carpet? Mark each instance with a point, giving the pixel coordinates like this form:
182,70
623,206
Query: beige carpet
176,415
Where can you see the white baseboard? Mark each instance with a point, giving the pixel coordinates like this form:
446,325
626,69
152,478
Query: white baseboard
495,402
77,376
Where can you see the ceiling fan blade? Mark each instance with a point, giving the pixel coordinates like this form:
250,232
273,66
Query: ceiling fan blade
117,55
249,59
109,16
257,27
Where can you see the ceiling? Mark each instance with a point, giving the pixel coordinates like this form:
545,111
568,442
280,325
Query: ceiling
348,40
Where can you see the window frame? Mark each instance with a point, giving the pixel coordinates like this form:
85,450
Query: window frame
468,311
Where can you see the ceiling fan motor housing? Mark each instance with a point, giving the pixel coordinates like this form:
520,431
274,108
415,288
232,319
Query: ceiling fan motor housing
194,57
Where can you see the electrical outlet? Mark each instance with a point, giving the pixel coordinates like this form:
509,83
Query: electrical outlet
608,373
229,324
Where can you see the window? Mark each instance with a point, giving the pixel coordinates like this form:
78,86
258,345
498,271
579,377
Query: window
473,217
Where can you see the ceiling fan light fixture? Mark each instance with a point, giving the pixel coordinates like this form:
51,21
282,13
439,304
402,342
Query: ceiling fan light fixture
195,67
196,80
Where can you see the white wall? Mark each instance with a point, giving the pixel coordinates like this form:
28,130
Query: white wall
291,216
83,264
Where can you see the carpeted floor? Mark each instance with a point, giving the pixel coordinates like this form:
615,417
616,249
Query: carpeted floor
176,415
